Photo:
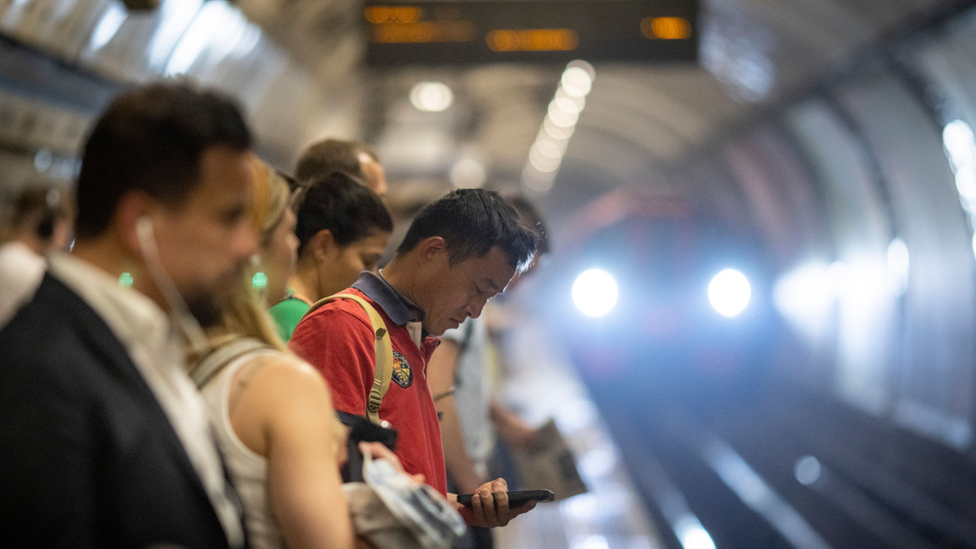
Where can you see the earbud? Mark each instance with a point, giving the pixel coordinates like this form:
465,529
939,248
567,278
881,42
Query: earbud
181,313
144,227
144,233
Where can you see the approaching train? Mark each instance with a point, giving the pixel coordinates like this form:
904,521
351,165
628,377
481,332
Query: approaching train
666,301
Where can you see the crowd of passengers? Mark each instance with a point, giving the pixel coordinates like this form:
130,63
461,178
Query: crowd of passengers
173,381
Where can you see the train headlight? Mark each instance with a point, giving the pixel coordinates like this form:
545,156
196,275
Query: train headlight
729,292
595,292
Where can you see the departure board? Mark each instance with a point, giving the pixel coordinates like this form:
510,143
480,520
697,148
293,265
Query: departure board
531,31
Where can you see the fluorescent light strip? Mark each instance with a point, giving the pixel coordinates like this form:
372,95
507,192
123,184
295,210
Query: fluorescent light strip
563,112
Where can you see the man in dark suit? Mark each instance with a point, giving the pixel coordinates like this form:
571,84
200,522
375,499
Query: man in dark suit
104,441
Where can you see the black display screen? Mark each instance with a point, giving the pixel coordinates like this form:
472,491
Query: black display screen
533,31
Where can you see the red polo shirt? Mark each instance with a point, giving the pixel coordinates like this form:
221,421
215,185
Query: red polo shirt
338,340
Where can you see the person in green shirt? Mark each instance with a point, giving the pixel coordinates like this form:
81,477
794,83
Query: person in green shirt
343,228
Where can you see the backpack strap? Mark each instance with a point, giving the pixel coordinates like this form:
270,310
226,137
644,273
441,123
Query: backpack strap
218,357
383,347
296,297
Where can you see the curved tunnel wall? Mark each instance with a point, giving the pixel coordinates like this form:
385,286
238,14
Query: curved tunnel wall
62,61
863,192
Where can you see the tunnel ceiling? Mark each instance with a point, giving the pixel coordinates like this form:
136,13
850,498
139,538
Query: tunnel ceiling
637,119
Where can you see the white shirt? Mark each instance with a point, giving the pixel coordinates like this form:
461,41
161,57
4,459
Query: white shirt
157,351
248,469
472,389
21,272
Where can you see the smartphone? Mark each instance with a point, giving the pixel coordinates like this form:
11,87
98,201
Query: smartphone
516,499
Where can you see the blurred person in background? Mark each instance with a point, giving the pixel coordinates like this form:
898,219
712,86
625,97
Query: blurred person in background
104,439
272,412
459,252
343,228
325,157
39,223
463,376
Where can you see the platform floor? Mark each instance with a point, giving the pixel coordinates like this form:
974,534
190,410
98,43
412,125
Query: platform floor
543,384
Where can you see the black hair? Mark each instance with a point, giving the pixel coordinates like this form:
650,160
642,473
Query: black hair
152,139
532,218
39,208
472,222
347,208
333,155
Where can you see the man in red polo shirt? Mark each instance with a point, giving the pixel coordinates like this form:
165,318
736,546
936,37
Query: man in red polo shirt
459,252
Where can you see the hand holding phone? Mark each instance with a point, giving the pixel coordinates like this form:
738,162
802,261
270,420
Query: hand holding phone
517,498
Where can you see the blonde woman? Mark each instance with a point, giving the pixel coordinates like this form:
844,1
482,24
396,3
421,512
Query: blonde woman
272,411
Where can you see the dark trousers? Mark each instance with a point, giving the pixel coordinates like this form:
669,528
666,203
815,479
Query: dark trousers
476,538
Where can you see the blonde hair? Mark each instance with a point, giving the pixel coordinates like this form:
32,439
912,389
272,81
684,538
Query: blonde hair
271,198
247,313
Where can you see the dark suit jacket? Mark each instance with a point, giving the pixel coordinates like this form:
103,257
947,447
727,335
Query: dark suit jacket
88,458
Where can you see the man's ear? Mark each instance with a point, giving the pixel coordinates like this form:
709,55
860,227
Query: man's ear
429,248
132,207
323,244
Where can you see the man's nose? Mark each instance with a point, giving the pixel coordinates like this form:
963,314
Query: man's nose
245,242
474,309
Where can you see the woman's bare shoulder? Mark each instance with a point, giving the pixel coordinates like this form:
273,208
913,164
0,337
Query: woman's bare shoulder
285,384
289,366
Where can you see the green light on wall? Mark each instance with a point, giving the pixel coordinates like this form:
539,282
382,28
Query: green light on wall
259,281
126,280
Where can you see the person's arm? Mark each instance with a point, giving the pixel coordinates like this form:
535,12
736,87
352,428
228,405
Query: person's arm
441,373
284,412
511,427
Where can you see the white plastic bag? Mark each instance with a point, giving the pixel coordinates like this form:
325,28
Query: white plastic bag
391,511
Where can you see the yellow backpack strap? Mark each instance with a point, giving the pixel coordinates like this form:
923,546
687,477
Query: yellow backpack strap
383,347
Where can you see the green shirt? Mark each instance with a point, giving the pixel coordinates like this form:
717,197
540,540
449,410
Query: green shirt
287,313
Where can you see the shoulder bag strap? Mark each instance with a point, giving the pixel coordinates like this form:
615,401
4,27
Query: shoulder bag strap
383,347
207,368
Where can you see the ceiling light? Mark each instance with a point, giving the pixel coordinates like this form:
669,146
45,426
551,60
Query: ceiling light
577,81
107,26
431,96
535,180
468,174
543,163
560,117
563,112
547,148
566,105
557,132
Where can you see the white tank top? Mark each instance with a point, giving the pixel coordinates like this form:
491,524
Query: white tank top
248,469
